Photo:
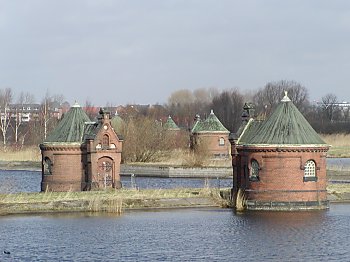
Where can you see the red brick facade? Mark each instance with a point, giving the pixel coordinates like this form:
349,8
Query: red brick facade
279,162
92,164
281,175
216,143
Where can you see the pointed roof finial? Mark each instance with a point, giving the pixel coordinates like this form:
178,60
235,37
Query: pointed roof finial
212,112
286,98
76,104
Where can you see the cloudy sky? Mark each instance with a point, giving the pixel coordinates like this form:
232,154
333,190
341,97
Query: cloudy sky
123,52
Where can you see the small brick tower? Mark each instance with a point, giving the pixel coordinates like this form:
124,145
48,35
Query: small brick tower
81,155
280,162
212,134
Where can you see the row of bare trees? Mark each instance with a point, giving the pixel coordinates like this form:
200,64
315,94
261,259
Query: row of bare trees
183,105
18,131
326,116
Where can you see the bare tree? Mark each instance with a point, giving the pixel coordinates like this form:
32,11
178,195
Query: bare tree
181,97
5,101
145,140
18,111
89,109
228,108
184,104
47,110
328,106
267,98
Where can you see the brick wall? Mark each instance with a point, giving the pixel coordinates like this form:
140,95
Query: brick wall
281,174
66,170
211,142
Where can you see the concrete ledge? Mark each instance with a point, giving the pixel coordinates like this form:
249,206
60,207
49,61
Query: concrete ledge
287,206
160,171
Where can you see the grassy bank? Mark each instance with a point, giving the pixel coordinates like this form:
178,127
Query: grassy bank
30,154
108,201
340,144
339,192
340,147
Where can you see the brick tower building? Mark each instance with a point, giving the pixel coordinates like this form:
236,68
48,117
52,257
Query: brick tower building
81,155
280,163
212,134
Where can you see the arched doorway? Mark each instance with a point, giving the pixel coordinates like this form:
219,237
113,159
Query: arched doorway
105,173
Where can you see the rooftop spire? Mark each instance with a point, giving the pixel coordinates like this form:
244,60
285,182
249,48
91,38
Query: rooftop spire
76,104
285,98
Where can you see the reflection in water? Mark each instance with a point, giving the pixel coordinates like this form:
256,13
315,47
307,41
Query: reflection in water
179,235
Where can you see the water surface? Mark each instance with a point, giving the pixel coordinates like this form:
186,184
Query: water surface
12,181
179,235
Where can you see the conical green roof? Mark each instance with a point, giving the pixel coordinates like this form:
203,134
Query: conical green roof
211,124
285,126
117,122
71,128
170,124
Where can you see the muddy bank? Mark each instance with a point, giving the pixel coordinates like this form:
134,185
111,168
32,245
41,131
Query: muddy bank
113,206
108,201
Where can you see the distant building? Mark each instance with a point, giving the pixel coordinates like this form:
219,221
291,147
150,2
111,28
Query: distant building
81,155
33,112
280,162
212,135
170,125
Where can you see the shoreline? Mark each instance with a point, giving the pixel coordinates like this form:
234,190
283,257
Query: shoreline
110,201
114,202
118,202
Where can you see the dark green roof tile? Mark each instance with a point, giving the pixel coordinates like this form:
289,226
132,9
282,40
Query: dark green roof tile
285,126
170,124
71,127
211,124
117,122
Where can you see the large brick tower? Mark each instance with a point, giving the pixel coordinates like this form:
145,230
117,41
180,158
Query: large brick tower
280,162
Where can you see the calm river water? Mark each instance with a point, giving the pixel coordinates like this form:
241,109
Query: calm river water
179,235
171,235
29,181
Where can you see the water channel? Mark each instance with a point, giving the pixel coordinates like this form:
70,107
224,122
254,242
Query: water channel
202,234
12,181
178,235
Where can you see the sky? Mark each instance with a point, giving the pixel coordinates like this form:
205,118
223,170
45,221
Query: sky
140,51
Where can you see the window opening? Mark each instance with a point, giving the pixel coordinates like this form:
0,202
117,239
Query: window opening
105,141
310,171
254,171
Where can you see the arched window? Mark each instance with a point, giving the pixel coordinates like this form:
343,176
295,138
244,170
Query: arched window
47,166
310,171
221,141
105,141
254,171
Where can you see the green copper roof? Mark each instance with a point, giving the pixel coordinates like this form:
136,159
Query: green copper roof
170,124
117,122
71,128
285,126
211,124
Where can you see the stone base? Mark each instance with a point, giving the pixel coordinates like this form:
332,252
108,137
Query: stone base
287,206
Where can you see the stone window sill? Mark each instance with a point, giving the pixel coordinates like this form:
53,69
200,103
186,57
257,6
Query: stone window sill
310,179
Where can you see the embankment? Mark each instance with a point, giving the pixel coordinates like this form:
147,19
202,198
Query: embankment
115,201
